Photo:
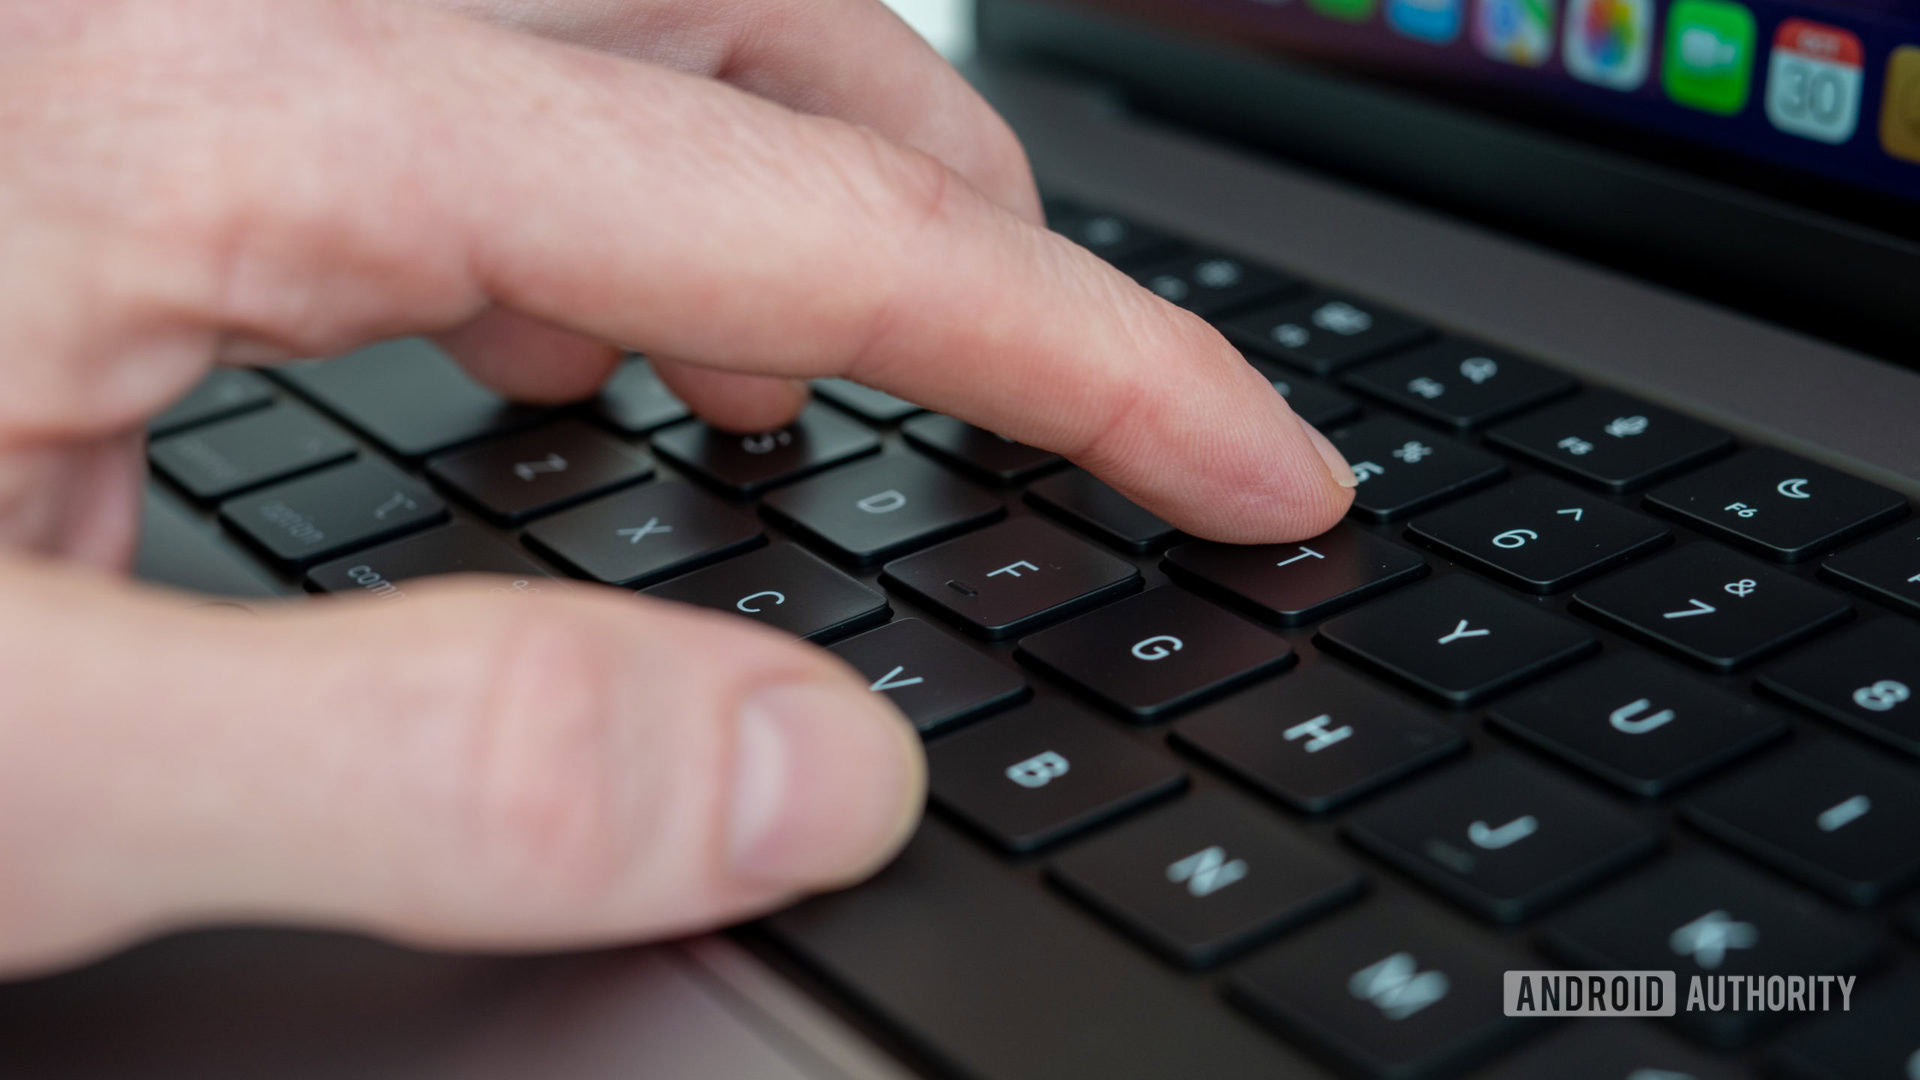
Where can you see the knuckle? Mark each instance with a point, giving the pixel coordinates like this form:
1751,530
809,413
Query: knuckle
902,191
541,789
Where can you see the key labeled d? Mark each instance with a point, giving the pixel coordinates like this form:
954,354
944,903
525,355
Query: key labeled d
882,502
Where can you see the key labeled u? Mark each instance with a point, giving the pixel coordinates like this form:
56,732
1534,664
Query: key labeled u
1624,719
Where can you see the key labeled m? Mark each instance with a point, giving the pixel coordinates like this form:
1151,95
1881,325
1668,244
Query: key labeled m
1397,987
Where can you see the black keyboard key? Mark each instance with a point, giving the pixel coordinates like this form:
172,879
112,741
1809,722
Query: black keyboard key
1614,1049
784,587
1084,501
1457,639
1297,583
749,464
936,681
1011,578
1210,284
1785,507
977,451
1611,440
1402,467
1700,914
1322,333
1388,989
1538,534
634,401
1832,814
539,471
1318,739
1155,653
409,397
1206,877
1637,723
224,393
265,445
876,509
1460,383
1113,238
1310,400
1502,837
1712,606
460,548
317,517
1867,678
1887,569
645,534
1043,772
1028,988
1876,1035
874,406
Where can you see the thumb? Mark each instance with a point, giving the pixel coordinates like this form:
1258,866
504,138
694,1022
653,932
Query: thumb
459,767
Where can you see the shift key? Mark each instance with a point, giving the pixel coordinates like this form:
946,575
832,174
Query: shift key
330,513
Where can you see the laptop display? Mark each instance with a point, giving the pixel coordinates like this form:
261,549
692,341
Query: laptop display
1815,101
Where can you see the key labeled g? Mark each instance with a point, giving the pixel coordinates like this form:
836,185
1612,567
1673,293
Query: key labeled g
1158,647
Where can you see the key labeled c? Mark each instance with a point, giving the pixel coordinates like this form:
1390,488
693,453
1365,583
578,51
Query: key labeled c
1158,647
746,602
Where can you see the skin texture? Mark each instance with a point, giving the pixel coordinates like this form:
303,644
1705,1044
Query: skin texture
185,183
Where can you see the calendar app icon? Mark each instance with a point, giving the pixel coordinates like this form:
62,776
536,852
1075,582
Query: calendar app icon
1813,81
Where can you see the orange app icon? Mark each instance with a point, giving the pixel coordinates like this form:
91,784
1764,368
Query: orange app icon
1900,112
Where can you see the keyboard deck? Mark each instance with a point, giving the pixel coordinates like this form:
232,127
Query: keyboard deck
1581,682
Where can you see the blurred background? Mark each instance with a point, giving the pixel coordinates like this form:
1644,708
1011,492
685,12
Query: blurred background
946,23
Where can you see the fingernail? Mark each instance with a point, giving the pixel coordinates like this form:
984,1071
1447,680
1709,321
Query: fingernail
828,781
1336,462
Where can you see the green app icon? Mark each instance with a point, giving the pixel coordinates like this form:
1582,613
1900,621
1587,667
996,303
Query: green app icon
1352,10
1709,56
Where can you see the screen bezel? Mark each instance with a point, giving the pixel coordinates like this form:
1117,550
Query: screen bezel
1789,262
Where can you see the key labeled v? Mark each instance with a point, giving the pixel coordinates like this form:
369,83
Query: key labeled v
892,681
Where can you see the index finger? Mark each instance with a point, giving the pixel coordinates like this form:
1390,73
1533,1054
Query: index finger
670,213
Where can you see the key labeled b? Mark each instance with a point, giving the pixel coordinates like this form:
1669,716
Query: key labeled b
1039,770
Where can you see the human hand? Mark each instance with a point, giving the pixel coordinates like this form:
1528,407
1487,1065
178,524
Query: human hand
755,194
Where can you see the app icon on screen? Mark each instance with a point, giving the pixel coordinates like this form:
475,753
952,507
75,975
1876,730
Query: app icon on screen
1814,77
1351,10
1515,31
1900,113
1609,42
1436,21
1709,55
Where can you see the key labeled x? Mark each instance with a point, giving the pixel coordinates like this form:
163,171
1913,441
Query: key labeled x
641,532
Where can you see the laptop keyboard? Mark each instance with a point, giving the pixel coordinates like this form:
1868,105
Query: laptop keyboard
1580,682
